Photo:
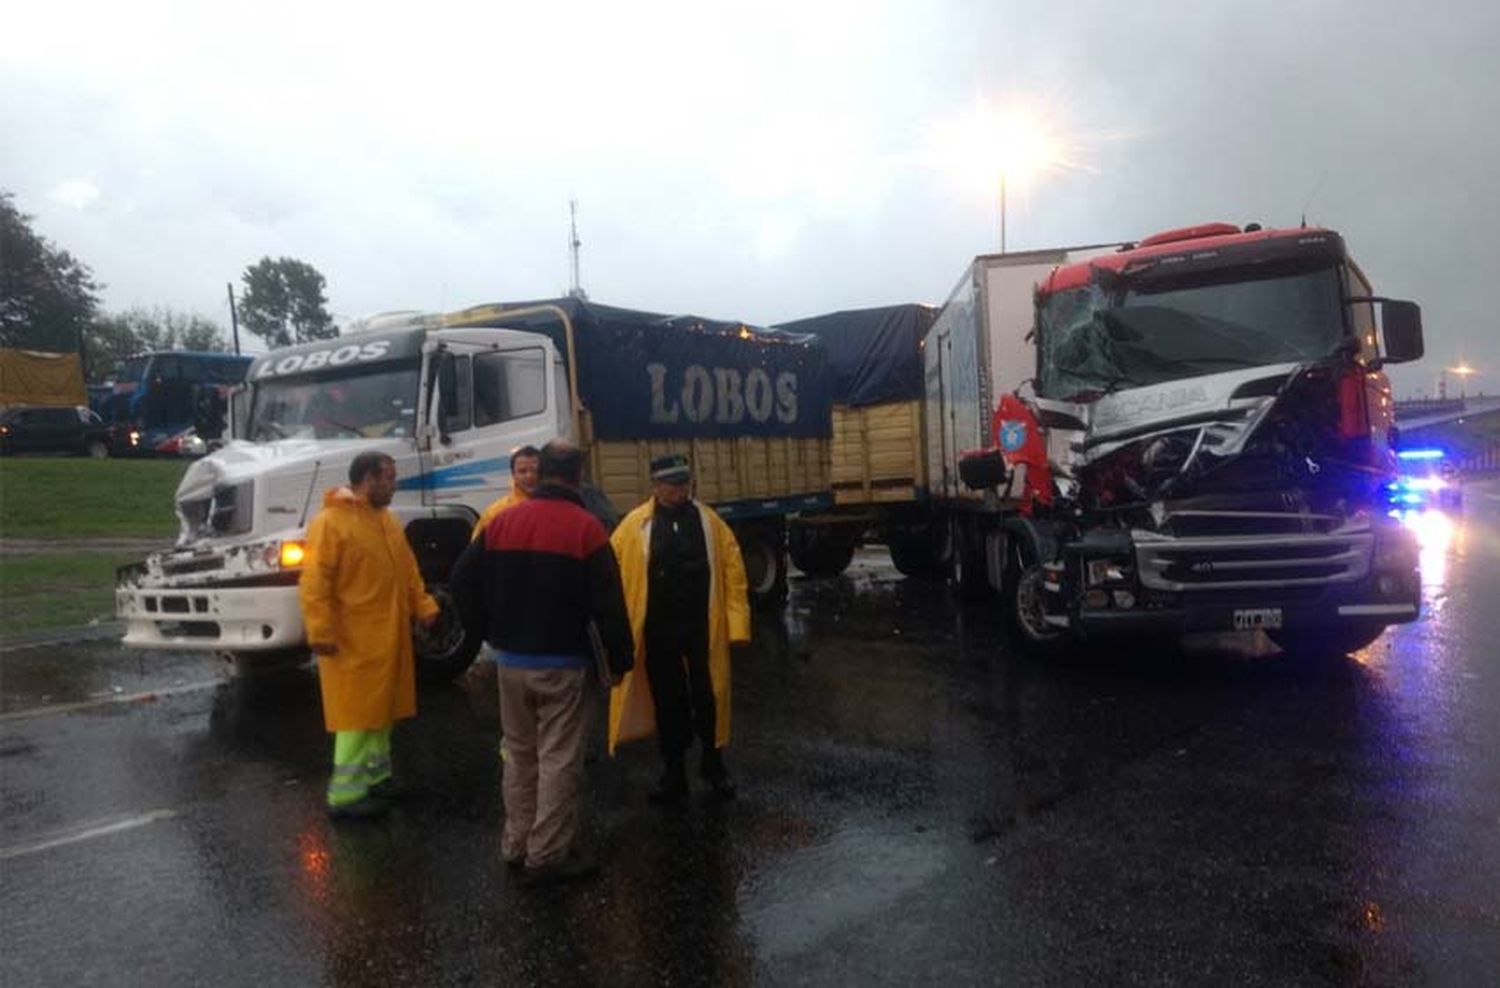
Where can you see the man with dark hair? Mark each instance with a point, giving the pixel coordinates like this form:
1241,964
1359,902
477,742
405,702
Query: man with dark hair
685,586
525,467
533,581
360,590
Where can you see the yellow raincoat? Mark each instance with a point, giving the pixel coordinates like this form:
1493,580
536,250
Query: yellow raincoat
360,589
510,500
632,715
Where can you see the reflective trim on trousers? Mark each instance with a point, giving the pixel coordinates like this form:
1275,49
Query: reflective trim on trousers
361,759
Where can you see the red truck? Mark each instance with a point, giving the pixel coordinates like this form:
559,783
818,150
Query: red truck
1188,433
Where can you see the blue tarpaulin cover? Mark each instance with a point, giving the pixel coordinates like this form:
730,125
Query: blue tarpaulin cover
644,375
874,355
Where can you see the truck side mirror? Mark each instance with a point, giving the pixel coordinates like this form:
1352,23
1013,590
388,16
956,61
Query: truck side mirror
448,384
1401,330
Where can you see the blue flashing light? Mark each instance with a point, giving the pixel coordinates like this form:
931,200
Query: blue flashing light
1421,454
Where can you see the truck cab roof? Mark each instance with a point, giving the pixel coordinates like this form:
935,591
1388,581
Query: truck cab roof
1205,245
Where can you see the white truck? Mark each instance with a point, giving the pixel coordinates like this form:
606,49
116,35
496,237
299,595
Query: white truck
448,397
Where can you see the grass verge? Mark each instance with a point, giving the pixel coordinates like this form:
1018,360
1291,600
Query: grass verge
57,590
57,498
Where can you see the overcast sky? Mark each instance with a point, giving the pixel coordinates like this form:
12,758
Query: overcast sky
761,162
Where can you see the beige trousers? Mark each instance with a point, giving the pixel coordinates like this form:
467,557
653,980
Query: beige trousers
544,714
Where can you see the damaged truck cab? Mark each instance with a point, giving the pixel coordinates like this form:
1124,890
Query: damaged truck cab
1218,438
448,397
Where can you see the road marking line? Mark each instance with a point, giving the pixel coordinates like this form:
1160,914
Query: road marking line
101,829
108,701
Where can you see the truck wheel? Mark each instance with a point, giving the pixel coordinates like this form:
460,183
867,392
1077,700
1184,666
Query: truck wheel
261,665
443,652
968,572
763,548
821,551
96,450
913,552
1027,610
1324,643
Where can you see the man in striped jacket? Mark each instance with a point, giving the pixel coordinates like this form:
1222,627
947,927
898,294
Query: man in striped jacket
533,581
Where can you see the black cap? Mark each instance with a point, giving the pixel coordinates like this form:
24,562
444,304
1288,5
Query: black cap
671,469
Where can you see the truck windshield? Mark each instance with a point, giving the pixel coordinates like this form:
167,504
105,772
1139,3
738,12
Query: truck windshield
1100,338
365,404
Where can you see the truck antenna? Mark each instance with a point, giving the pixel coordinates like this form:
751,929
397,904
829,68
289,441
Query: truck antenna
575,290
1317,187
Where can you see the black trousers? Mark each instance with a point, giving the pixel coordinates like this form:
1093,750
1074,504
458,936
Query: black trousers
677,669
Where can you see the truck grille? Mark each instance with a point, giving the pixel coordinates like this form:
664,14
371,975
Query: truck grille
1242,563
1195,524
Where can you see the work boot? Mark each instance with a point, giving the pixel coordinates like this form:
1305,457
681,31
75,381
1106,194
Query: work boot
574,866
365,808
673,787
716,775
391,789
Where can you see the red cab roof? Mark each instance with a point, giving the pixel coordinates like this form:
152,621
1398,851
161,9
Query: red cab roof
1185,240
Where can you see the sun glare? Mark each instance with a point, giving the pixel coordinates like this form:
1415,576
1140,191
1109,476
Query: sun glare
1016,140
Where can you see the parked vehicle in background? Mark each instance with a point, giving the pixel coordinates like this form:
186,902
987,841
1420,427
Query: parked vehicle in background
54,429
1191,433
1428,478
156,399
448,397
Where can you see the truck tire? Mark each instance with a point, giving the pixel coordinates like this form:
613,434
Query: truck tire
262,665
444,652
763,548
1024,601
968,573
821,551
915,552
95,449
1324,643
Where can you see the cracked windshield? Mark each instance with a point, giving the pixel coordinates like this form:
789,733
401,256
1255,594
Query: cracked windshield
1102,338
369,405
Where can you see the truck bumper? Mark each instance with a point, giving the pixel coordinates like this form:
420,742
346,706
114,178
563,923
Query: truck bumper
242,619
1360,604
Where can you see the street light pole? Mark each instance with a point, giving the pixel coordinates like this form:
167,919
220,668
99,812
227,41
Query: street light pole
1002,212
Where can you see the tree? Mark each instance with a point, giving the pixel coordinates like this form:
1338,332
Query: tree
47,296
113,337
283,302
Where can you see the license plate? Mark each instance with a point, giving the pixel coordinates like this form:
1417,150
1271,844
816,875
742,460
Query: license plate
1252,618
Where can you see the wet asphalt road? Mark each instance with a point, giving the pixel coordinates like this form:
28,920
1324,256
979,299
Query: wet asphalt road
918,806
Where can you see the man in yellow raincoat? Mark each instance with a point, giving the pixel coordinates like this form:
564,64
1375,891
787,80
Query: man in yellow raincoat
685,587
525,471
360,590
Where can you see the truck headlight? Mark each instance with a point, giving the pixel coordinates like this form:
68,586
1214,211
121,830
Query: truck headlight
292,554
1107,571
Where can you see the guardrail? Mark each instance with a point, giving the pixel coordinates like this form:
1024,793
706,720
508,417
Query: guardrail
1428,406
1483,460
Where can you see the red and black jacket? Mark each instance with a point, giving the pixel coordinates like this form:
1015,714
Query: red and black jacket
537,576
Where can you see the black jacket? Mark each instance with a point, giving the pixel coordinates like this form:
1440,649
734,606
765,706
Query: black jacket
538,575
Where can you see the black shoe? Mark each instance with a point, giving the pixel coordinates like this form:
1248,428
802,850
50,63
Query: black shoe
716,775
391,790
364,808
575,866
673,787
